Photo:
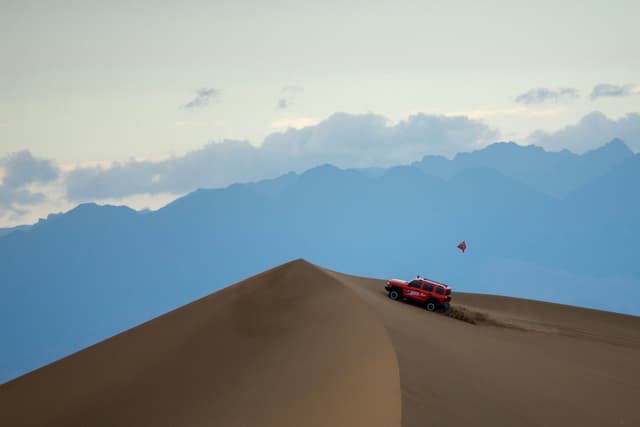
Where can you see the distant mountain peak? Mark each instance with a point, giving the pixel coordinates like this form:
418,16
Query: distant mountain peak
87,205
324,167
509,148
323,170
618,144
616,147
500,144
90,209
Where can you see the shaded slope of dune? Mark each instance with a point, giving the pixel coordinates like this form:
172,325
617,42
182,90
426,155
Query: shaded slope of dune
530,363
291,346
300,345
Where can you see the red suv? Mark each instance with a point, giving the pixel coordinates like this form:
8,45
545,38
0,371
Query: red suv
432,295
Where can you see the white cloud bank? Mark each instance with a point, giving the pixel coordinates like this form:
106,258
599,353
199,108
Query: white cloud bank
592,131
344,140
19,172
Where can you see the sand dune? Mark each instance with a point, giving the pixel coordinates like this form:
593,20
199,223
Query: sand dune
299,345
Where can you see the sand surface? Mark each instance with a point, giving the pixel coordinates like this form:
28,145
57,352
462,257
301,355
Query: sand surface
300,345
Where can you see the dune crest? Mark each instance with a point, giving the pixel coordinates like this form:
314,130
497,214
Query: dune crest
290,346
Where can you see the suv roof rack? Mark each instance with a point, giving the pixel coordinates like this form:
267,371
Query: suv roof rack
434,282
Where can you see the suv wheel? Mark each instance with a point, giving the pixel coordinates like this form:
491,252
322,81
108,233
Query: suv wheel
394,294
431,306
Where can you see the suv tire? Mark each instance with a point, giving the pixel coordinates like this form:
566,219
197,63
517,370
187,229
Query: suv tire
394,294
431,305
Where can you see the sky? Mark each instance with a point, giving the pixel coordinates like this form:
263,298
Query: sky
134,102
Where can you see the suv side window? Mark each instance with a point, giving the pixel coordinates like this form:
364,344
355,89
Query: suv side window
439,291
428,288
415,284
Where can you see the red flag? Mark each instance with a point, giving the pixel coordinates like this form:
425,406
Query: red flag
462,246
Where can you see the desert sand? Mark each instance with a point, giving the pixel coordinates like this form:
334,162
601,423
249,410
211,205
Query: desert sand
300,345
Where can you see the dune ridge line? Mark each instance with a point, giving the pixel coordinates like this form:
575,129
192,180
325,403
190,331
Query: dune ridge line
290,346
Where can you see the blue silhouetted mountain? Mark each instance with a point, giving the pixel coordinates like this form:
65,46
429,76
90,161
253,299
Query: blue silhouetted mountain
509,158
554,173
79,277
610,214
275,186
571,173
5,231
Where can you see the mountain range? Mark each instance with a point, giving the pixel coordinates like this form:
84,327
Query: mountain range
553,226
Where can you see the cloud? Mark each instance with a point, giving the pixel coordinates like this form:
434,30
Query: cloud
590,132
289,94
13,201
202,98
604,90
19,172
282,104
542,95
295,123
22,168
345,140
215,164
